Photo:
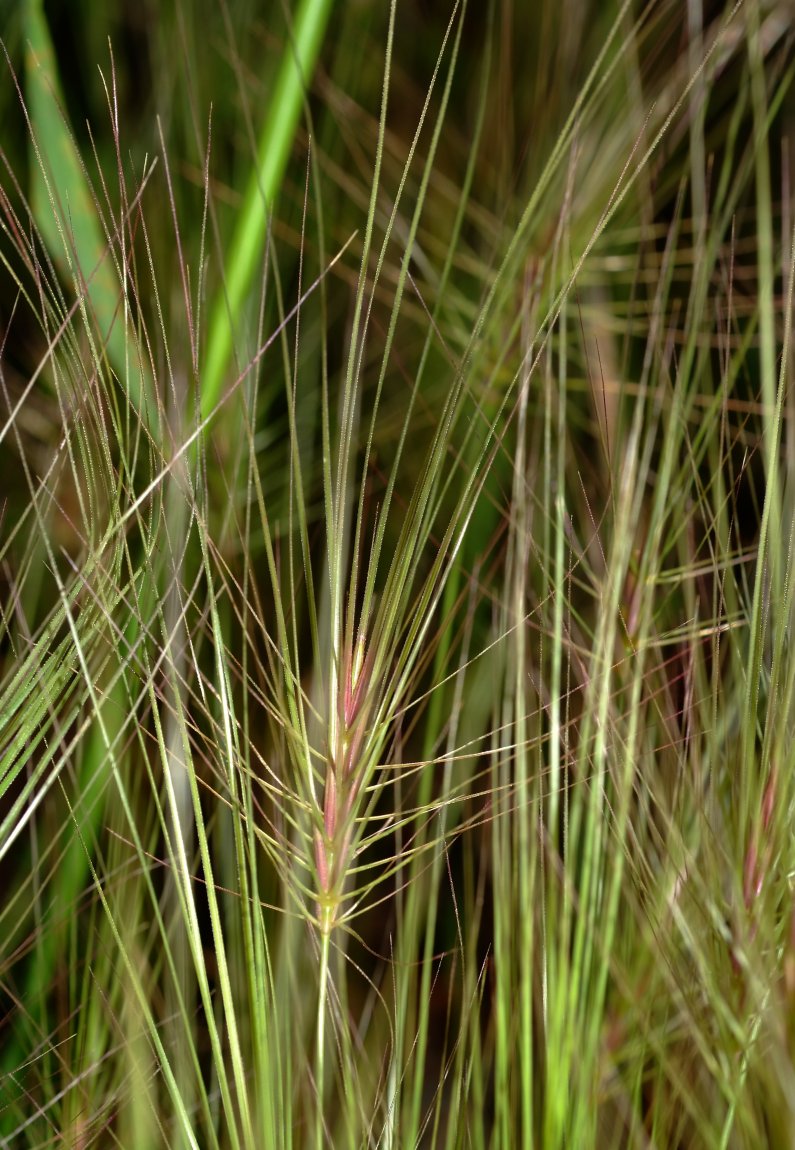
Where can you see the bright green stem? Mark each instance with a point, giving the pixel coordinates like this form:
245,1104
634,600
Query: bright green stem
320,1064
277,136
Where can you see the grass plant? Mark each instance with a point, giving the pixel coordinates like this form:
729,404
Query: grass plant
396,538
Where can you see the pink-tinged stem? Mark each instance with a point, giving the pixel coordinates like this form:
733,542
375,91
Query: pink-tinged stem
330,803
356,678
321,861
353,745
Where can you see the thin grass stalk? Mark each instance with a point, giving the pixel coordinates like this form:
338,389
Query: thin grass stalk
764,238
769,538
649,986
276,139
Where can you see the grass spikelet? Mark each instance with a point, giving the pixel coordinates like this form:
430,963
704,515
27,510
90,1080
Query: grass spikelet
396,549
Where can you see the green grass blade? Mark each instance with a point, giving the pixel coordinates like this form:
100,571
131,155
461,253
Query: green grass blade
276,139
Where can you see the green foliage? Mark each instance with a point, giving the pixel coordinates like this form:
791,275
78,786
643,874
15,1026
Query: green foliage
396,703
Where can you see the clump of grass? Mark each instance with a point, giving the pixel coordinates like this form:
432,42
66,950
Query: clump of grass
396,691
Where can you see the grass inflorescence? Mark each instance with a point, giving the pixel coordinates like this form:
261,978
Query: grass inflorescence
396,537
